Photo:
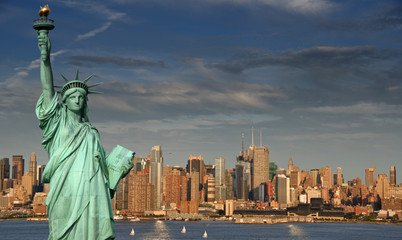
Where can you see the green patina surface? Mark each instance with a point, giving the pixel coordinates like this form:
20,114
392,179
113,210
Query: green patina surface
82,176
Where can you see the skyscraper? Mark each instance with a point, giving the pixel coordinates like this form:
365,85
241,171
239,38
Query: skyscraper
295,177
282,189
4,169
290,165
326,175
392,176
220,187
18,167
240,183
369,177
32,168
382,185
315,177
155,175
140,193
39,172
260,169
339,176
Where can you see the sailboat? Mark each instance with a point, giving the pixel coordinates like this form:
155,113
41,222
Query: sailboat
132,233
183,230
205,234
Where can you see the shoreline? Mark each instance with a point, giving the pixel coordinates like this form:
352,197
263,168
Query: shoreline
44,219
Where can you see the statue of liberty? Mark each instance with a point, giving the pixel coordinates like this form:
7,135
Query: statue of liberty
81,174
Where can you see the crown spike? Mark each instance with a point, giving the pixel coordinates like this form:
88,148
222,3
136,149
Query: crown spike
94,85
94,92
87,79
76,75
65,79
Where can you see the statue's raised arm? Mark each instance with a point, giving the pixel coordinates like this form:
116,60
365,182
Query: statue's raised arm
42,27
46,74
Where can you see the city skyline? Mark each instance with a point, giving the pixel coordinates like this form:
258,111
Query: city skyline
321,79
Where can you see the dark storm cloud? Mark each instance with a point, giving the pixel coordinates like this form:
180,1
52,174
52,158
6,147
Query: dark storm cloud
80,60
380,21
316,57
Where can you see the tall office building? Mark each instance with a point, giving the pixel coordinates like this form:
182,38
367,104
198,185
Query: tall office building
369,177
295,177
220,187
290,165
230,183
196,164
32,168
392,175
211,191
141,192
240,183
282,190
339,176
315,177
260,169
195,186
4,173
4,169
18,167
173,182
155,175
39,173
382,185
326,176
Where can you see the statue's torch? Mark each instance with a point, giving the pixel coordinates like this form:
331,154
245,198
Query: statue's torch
43,25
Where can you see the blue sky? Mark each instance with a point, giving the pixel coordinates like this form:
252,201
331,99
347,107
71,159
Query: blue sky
321,79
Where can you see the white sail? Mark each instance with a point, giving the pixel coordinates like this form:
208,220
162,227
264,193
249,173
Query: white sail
205,234
183,230
132,233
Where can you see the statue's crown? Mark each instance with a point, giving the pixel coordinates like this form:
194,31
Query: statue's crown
77,84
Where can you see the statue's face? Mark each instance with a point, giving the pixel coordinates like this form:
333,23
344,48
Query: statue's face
75,101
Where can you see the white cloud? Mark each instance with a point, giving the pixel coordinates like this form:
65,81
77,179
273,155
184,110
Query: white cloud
96,8
360,108
93,32
327,136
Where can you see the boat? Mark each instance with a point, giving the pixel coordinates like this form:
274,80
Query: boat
159,221
132,233
136,219
183,230
205,234
37,219
118,217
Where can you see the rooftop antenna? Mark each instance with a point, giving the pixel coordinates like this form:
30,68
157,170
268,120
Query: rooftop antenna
242,144
252,135
260,137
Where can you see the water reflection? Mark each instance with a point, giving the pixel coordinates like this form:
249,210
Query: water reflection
161,231
296,231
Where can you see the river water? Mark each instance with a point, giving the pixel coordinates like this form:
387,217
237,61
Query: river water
151,229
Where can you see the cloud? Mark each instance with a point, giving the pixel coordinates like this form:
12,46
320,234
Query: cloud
295,6
120,61
36,63
96,8
299,6
315,57
160,100
380,20
94,32
326,136
361,108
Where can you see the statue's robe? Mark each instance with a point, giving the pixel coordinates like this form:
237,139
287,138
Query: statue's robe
79,205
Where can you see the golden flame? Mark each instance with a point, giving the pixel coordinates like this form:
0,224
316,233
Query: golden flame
44,11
